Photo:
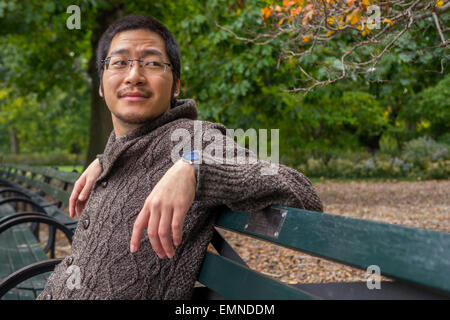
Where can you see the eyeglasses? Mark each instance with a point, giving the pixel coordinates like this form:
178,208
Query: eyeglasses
152,65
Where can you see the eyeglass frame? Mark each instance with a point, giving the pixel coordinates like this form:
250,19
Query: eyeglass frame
130,65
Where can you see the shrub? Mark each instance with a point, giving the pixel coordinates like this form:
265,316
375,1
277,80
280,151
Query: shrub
55,159
423,157
422,150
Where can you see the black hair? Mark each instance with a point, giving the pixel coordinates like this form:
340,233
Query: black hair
135,22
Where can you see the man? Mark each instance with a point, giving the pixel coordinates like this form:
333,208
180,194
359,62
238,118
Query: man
136,184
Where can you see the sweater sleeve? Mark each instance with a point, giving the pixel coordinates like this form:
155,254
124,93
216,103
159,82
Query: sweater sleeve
248,184
100,159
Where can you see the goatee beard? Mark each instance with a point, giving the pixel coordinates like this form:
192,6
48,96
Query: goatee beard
133,119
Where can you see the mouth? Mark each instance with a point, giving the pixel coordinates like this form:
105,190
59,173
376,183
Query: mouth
134,96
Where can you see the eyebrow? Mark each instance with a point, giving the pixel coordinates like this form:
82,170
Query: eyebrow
144,53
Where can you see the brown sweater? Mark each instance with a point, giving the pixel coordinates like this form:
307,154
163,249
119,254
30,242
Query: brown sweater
131,167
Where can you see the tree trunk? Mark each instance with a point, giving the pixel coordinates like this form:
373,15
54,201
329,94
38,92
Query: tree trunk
101,123
14,141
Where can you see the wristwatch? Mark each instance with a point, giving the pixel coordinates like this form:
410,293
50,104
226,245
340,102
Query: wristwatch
194,159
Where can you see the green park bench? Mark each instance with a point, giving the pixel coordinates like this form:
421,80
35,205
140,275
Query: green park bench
417,260
21,255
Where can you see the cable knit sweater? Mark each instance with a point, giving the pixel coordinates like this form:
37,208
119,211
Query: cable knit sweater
101,266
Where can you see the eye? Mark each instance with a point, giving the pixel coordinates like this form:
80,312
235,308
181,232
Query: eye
119,62
153,64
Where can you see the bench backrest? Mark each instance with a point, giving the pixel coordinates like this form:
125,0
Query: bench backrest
414,255
49,181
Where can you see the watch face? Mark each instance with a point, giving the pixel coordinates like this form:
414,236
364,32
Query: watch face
191,156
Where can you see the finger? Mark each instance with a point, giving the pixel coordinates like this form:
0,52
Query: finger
79,207
84,194
177,226
77,187
138,228
165,231
152,230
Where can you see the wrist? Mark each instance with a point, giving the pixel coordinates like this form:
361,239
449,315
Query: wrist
189,168
192,159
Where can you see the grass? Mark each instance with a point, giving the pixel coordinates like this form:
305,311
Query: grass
70,168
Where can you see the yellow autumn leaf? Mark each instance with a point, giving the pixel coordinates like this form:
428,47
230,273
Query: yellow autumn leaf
366,2
281,22
296,11
439,3
288,3
356,15
306,38
388,21
366,30
330,20
329,34
266,12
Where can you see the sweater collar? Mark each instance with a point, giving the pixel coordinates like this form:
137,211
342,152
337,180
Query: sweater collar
185,108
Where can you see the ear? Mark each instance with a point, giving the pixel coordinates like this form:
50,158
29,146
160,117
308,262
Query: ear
100,89
177,88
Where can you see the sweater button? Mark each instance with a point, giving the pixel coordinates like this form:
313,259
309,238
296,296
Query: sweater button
85,223
104,184
69,261
48,297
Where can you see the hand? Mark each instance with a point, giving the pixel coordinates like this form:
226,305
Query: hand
164,210
82,188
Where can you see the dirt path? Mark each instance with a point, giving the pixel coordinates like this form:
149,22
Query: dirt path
416,204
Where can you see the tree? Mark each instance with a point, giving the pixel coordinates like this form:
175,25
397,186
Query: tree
369,28
239,83
49,55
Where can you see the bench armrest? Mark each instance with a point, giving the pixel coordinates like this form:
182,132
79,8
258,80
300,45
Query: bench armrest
37,217
25,273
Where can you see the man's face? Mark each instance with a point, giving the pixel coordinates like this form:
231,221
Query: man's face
136,95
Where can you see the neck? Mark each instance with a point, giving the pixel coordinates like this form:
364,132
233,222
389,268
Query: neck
123,128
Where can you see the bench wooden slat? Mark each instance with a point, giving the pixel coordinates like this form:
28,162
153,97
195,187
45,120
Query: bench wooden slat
234,281
55,193
52,211
5,263
413,254
19,248
11,295
26,254
15,258
15,261
69,177
35,251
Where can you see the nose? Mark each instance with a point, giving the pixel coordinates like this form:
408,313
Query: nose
134,75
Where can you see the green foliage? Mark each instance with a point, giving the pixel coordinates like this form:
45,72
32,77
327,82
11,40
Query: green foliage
430,109
43,159
45,87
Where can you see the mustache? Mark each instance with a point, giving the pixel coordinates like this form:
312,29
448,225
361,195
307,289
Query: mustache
126,90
